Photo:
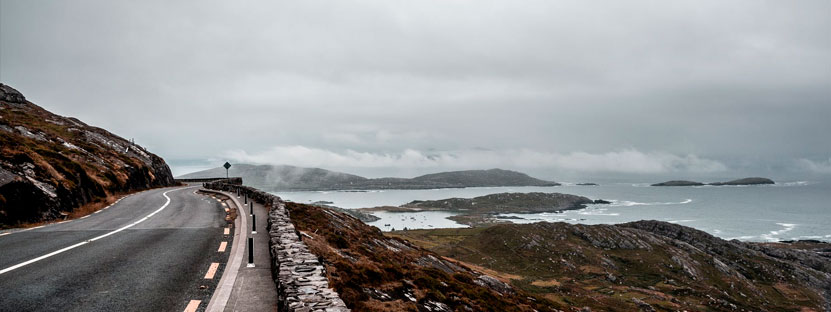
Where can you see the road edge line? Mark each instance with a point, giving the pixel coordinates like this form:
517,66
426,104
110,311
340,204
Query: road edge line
28,262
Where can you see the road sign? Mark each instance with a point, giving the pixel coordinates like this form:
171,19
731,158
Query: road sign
227,166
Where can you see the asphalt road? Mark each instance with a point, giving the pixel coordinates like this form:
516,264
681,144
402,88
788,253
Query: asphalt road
157,264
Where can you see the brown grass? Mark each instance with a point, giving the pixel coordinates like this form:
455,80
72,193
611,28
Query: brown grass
544,283
502,276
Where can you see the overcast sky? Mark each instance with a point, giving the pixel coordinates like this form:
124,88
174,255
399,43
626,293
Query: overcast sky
385,87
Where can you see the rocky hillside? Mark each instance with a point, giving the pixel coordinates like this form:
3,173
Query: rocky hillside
51,164
372,272
644,265
285,178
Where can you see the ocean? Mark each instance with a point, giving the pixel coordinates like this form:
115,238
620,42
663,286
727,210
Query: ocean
788,210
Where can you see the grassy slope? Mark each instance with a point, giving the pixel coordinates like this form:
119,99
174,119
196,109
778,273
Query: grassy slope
372,272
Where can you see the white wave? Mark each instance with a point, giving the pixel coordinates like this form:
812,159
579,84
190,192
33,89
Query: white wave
680,221
716,231
703,186
626,203
596,212
772,235
747,237
794,183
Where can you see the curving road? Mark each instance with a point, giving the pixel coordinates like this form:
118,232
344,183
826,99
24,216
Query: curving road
148,252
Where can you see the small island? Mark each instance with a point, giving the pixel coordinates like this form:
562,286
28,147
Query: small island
485,209
745,181
587,184
679,183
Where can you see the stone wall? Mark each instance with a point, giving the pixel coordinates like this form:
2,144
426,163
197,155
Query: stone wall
300,277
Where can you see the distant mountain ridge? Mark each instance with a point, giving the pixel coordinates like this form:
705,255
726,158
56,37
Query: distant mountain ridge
50,164
283,177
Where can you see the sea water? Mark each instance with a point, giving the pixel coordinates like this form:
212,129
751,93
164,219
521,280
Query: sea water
785,211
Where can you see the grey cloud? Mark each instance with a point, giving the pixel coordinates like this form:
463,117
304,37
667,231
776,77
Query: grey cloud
733,82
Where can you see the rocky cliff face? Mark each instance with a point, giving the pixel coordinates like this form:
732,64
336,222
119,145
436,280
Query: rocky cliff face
51,164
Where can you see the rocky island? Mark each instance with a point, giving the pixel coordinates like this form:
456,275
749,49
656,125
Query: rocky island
483,209
744,181
679,183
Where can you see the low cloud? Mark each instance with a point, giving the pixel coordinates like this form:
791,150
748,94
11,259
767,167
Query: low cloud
622,161
823,167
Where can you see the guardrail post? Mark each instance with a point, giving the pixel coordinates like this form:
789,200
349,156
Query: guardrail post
251,208
246,198
253,224
250,252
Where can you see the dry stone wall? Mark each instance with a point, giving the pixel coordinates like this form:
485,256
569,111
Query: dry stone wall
300,277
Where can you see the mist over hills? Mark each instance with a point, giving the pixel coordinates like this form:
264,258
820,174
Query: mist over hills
284,177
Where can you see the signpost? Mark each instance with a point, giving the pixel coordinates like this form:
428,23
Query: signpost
227,166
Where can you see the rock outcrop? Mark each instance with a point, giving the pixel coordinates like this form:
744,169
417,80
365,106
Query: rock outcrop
51,165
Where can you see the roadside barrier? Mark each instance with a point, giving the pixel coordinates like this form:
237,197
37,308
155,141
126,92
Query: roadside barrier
300,277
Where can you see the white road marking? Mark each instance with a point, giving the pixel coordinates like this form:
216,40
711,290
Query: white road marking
222,246
226,232
25,263
7,233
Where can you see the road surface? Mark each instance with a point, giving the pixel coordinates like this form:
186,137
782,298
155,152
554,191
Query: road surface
148,252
